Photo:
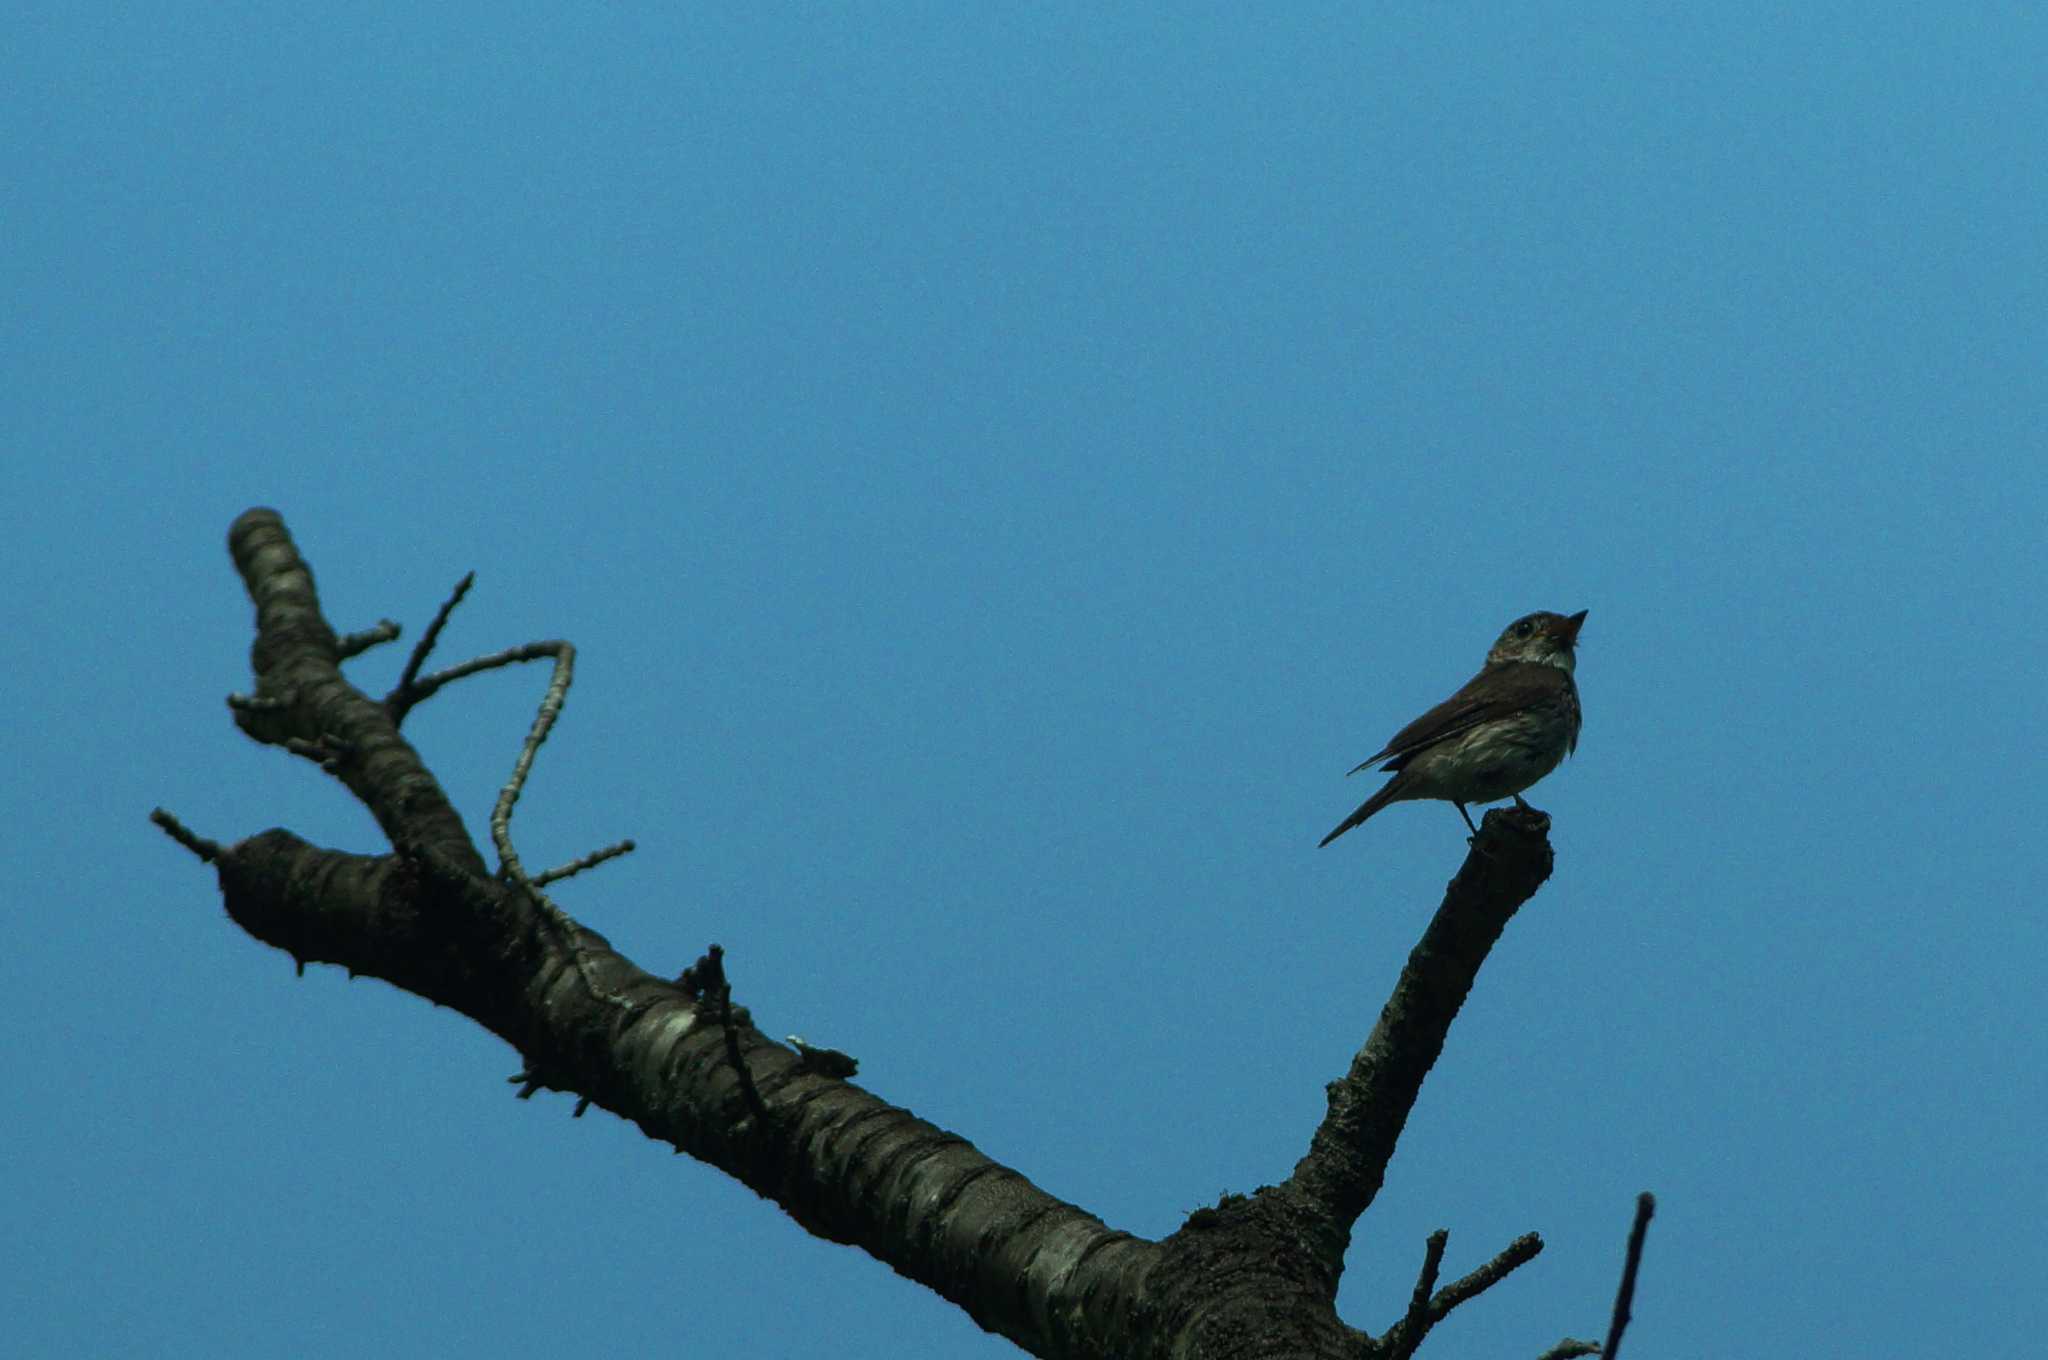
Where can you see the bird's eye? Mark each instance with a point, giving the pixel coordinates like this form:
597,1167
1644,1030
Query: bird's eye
1524,628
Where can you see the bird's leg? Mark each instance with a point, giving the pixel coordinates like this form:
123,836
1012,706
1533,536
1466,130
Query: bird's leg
1466,815
1520,804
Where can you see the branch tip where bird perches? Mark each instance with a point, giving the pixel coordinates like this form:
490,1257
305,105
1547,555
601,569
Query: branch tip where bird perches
1369,1105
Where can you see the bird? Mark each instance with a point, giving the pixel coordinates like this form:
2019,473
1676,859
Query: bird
1509,725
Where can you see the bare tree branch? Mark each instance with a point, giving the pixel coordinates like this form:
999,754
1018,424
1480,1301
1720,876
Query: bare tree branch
407,692
582,862
1253,1277
706,978
543,723
355,644
301,693
207,850
1425,1312
1519,1252
1411,1329
1570,1349
1369,1106
1624,1298
404,701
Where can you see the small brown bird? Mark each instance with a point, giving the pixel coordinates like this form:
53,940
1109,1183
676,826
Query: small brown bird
1508,727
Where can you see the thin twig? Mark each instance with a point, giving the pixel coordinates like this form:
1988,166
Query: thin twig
355,644
739,1061
706,980
402,701
199,845
412,689
1570,1349
1624,1298
1519,1252
543,720
1404,1336
509,867
577,866
1412,1328
408,692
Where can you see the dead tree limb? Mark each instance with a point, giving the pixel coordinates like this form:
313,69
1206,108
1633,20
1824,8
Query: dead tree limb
1253,1276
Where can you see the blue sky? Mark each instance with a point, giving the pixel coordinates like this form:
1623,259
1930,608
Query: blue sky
1001,466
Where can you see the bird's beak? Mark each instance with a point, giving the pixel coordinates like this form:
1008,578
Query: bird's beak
1571,631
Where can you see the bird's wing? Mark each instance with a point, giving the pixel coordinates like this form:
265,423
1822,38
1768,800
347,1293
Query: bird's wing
1493,693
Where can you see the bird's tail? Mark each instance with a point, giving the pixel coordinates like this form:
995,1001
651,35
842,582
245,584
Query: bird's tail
1393,791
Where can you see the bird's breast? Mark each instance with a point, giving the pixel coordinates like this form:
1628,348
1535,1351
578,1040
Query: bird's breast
1498,759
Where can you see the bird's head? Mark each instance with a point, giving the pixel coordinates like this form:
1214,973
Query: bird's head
1542,637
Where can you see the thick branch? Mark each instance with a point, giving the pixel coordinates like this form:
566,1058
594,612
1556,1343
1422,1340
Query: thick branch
845,1164
1254,1277
432,920
1368,1107
301,696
